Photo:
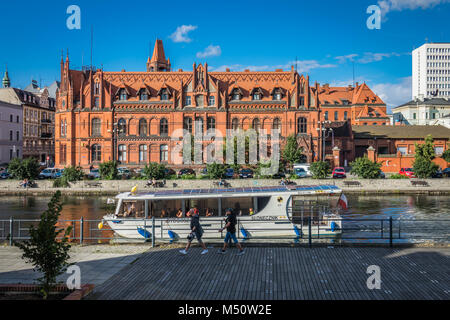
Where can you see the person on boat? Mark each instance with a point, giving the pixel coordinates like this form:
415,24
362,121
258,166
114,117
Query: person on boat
179,213
230,225
196,232
209,213
131,211
163,213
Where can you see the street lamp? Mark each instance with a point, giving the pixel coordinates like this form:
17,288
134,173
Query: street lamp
324,133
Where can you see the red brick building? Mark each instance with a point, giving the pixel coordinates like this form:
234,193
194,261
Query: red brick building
131,116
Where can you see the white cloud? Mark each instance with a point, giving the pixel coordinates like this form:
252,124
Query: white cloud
349,57
400,5
368,57
181,34
394,94
210,51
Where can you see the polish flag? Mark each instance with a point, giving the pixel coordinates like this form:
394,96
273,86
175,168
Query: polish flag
342,202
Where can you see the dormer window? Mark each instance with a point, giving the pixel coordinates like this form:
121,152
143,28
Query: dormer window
123,96
257,94
277,94
188,101
164,94
211,101
143,95
236,94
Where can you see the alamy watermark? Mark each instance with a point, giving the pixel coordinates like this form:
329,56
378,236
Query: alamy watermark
374,281
74,280
374,20
74,20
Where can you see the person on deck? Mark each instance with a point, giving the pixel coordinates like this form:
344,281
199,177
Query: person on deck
230,225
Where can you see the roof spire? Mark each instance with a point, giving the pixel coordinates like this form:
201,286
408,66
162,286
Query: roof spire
6,82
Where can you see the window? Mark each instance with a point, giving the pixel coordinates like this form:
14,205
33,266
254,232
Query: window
142,153
96,88
17,153
96,153
335,115
439,150
122,127
164,94
211,101
302,125
17,119
235,124
256,124
199,125
188,101
123,96
143,95
325,116
96,127
211,123
97,102
257,94
235,94
17,135
10,154
163,127
345,115
10,118
402,150
122,153
142,127
10,135
276,124
164,152
187,124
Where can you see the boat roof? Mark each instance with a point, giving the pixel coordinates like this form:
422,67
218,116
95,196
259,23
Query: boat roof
231,192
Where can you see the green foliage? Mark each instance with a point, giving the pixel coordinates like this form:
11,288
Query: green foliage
398,176
216,170
366,169
48,255
108,170
154,170
73,173
424,168
264,165
188,177
24,168
446,155
61,182
320,169
292,153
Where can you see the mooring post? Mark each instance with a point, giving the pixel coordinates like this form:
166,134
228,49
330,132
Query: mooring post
81,230
309,232
11,230
390,232
153,231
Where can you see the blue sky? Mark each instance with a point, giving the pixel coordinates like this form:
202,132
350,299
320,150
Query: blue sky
326,37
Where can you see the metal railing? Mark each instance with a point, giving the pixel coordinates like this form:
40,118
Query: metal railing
308,230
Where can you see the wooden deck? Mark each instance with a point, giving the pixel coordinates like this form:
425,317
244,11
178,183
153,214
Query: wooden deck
282,274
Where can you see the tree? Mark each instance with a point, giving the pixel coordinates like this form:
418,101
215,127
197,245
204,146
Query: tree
73,173
366,169
423,165
108,170
47,254
24,169
292,153
216,170
320,169
154,171
446,155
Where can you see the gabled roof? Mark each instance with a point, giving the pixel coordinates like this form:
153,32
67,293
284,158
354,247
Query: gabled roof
400,132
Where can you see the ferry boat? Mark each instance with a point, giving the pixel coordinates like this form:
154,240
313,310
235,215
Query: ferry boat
261,212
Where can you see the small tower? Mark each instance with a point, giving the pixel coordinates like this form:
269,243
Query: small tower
158,61
6,82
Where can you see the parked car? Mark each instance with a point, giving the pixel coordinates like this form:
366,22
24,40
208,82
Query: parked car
438,174
49,173
305,167
446,172
407,172
169,172
59,173
245,173
300,173
5,175
186,171
339,173
123,173
229,173
94,174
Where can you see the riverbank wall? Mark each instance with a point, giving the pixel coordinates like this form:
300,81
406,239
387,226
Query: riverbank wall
112,187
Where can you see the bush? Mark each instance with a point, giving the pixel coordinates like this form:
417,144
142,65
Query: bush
108,170
216,170
292,153
320,169
154,171
73,173
398,176
366,169
446,155
424,168
188,177
61,182
24,168
265,165
44,250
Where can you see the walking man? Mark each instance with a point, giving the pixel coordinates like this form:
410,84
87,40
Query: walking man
230,225
196,232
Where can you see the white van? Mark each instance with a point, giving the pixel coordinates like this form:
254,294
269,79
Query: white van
304,166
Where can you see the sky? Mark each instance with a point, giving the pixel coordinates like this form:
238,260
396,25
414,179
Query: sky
328,40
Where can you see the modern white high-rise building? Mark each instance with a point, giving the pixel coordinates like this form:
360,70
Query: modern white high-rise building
431,71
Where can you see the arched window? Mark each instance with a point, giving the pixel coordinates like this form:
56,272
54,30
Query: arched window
123,96
187,124
122,127
96,127
235,124
277,94
302,125
198,124
164,94
142,153
257,94
163,127
276,124
96,153
211,123
256,124
164,152
345,115
211,101
142,127
122,153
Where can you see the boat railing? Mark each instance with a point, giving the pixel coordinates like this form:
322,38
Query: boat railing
349,230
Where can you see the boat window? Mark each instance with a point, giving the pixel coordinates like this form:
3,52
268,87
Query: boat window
262,203
241,206
164,208
132,209
206,207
